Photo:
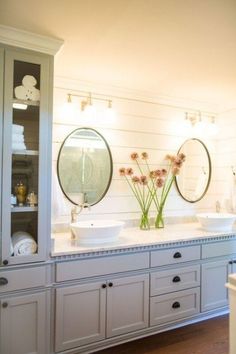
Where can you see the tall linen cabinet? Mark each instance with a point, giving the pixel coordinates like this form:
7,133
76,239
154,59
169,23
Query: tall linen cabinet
26,81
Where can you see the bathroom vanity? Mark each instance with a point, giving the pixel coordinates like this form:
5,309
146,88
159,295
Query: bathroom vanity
147,283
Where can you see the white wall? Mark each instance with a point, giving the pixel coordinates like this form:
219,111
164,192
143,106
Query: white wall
138,127
226,160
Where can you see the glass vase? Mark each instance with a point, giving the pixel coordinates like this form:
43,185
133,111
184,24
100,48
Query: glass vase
144,221
159,222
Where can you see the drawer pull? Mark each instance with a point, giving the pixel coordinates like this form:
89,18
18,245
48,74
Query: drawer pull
110,284
104,286
234,261
177,255
4,305
176,279
230,262
176,305
3,281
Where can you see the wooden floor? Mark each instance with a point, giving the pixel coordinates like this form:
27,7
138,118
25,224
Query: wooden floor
207,337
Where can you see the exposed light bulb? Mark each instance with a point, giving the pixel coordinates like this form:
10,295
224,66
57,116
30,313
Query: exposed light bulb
110,114
186,126
200,127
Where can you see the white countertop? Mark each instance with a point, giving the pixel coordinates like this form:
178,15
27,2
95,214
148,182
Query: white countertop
134,238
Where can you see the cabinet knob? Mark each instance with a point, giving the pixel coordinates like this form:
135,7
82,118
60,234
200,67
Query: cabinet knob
234,261
110,284
5,262
176,305
177,255
4,304
3,281
176,279
104,286
230,262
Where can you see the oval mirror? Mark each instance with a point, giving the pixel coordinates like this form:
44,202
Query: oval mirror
195,175
84,166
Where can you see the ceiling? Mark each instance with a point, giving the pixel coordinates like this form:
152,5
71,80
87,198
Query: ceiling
180,48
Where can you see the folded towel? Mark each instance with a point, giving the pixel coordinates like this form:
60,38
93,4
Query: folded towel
18,146
17,129
18,138
23,243
29,81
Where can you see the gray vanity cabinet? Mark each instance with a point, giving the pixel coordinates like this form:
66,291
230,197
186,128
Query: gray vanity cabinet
26,146
215,273
90,312
23,324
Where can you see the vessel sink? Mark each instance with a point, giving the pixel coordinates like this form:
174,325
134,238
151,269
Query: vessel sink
218,222
97,231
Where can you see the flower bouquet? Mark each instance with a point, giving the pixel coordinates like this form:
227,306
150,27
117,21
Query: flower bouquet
154,186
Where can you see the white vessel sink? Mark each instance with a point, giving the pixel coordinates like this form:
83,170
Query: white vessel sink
218,222
97,231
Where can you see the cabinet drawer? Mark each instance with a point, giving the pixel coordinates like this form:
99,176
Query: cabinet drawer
26,278
174,255
171,307
217,249
101,266
168,281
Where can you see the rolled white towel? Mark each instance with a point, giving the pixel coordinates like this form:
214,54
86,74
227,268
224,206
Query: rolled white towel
18,146
23,243
18,138
17,129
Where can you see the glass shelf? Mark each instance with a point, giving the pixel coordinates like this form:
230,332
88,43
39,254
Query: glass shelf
27,102
18,209
25,152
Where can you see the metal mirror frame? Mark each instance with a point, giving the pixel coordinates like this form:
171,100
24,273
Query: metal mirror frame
209,177
110,157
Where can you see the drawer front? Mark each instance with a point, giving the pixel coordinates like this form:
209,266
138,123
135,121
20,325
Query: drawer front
168,281
175,255
218,249
101,266
11,280
171,307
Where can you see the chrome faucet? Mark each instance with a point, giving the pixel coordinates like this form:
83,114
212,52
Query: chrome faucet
76,210
218,207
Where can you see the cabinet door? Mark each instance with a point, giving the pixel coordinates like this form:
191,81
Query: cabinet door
26,157
80,315
127,304
1,132
214,278
23,324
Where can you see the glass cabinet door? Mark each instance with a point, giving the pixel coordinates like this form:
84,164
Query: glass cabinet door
25,158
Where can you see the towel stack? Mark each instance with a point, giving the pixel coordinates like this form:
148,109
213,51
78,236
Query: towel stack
22,244
18,140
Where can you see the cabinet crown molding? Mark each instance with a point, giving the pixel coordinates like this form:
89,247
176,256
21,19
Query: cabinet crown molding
28,40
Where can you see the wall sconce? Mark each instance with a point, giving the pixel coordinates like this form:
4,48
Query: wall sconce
88,108
195,124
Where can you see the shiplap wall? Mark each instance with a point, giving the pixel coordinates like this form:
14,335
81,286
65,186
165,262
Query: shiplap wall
138,127
226,160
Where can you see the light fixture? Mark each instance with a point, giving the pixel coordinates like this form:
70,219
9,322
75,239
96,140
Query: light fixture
194,124
87,107
22,106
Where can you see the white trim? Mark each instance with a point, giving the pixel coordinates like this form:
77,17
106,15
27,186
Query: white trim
28,40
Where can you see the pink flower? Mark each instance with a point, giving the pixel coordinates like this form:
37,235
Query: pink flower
164,172
160,182
144,155
143,180
158,173
122,171
178,162
134,156
152,174
171,158
135,179
129,171
175,171
182,156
